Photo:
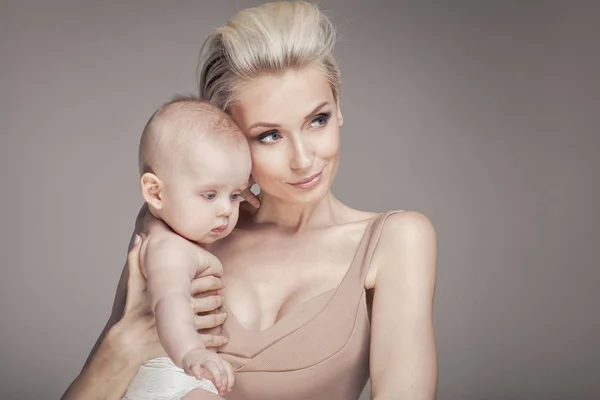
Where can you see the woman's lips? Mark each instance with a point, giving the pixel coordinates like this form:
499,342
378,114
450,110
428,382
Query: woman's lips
309,182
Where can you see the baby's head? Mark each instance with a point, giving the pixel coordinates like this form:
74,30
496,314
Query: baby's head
194,163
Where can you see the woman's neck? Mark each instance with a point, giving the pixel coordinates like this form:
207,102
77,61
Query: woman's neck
298,216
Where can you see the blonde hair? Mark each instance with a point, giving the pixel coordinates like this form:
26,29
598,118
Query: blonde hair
269,39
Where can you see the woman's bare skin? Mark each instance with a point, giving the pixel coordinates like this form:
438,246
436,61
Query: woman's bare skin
300,241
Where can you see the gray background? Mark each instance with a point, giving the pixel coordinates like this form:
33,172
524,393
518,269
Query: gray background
483,115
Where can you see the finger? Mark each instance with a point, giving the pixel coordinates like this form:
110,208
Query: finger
206,304
209,320
223,376
223,366
230,375
136,283
212,341
207,294
207,375
254,202
133,257
211,331
196,371
206,283
251,198
215,371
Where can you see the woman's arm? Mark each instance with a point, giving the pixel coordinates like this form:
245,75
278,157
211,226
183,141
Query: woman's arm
108,370
118,354
403,351
129,337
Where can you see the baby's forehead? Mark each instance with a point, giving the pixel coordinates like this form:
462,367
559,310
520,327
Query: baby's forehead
216,166
211,151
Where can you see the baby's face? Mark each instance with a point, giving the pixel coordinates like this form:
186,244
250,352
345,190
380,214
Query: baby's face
201,201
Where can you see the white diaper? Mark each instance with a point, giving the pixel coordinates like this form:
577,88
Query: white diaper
161,379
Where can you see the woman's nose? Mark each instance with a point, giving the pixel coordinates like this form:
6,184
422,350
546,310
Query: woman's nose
302,157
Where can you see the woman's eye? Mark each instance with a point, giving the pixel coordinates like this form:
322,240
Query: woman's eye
269,137
209,196
320,120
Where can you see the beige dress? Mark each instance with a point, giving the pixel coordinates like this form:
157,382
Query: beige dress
319,350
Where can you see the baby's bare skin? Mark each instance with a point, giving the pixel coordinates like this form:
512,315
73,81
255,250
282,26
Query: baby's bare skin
170,263
194,166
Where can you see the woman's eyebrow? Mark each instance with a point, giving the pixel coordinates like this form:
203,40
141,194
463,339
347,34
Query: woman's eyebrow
273,125
263,124
316,109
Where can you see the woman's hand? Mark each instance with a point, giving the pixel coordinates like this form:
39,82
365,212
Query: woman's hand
206,303
137,327
129,337
135,332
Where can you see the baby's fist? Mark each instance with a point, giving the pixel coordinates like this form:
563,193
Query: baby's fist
202,363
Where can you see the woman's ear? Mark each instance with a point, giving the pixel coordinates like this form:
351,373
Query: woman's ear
152,190
340,117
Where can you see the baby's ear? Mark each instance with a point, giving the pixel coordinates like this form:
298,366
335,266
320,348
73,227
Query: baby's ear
151,190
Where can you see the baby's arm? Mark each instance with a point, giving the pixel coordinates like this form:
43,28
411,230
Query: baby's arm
169,268
170,265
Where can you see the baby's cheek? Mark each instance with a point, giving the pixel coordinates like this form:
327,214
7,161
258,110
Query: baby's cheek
197,226
234,216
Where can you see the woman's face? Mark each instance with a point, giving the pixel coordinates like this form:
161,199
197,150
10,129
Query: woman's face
292,123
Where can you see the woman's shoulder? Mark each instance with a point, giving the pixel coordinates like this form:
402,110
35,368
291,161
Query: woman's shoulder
396,224
394,219
406,239
406,225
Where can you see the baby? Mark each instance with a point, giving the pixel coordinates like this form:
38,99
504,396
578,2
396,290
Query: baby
194,164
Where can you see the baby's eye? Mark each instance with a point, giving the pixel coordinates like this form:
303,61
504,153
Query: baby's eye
235,196
209,196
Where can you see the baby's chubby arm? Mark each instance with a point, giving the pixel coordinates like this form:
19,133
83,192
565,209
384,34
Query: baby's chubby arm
170,264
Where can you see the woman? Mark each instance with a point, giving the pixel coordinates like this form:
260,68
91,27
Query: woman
319,295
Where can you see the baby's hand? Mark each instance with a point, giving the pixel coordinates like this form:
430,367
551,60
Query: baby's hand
202,363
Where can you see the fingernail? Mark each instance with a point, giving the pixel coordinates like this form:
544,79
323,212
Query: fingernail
137,239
